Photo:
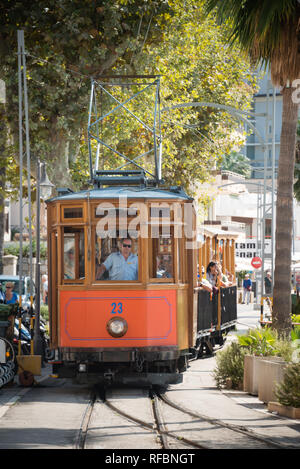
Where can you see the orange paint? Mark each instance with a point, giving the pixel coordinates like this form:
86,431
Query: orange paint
151,318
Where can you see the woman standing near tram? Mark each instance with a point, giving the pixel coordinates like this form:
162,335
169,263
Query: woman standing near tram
10,296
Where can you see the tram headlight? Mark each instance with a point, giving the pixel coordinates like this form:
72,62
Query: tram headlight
117,327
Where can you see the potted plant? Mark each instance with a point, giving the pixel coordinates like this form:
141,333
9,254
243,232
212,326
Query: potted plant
259,345
273,373
288,393
230,367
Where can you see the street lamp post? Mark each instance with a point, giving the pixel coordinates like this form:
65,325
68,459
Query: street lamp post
44,190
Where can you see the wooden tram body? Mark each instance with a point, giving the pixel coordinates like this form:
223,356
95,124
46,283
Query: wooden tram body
168,319
160,312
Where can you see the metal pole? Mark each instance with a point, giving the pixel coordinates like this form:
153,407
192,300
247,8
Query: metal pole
265,189
257,235
273,192
154,133
159,131
38,346
21,185
89,124
21,165
28,160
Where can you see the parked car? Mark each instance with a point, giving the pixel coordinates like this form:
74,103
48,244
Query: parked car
25,287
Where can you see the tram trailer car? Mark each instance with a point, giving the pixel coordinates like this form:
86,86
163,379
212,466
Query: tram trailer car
126,332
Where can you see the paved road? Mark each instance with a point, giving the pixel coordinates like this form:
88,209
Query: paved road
49,417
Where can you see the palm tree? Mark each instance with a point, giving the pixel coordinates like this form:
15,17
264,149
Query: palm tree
269,30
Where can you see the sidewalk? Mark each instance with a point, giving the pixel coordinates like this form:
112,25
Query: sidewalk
231,406
199,393
11,393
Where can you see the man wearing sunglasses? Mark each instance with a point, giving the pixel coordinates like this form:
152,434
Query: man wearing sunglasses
122,265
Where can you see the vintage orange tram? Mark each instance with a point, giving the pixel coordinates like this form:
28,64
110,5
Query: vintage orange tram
124,295
104,325
130,330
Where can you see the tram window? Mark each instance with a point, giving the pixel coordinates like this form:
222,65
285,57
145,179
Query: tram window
116,259
162,265
72,212
73,247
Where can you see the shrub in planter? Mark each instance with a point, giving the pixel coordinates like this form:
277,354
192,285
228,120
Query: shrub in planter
230,366
259,342
288,391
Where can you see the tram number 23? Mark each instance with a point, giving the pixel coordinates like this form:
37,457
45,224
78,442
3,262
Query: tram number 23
117,308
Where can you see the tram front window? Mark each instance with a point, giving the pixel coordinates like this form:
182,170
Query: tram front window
116,259
73,246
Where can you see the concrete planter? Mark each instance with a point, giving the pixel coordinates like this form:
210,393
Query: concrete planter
286,411
251,365
251,372
270,373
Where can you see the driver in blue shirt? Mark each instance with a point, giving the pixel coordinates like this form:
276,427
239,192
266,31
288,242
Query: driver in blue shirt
122,265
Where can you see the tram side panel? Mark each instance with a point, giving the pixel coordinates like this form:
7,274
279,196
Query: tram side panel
229,305
208,329
150,318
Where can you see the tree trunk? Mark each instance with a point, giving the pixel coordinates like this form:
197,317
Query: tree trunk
284,216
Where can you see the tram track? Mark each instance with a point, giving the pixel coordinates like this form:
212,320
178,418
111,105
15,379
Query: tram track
188,433
84,426
157,426
161,435
216,422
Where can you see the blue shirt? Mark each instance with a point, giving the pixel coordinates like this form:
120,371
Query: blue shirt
14,299
247,283
121,269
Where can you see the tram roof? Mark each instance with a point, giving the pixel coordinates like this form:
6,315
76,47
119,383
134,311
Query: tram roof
129,192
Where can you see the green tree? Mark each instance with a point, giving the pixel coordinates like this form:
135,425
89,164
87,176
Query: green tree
237,162
67,41
196,65
269,31
194,139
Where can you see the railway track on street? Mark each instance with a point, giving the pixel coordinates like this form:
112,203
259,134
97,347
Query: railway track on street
135,419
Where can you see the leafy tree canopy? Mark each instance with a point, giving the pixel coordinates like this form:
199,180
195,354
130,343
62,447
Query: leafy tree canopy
67,42
237,163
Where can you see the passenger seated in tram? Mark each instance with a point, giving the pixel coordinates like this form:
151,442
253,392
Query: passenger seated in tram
121,265
206,285
215,276
223,279
69,264
212,273
164,267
